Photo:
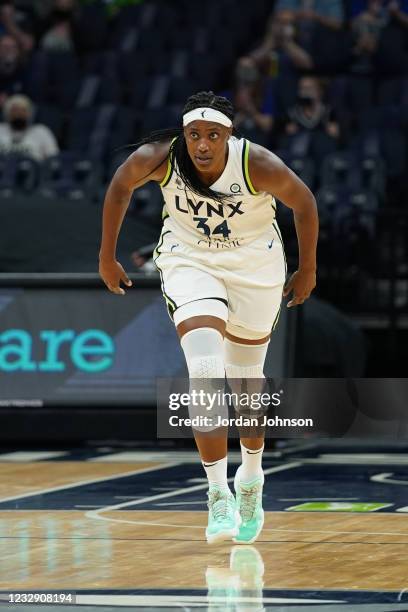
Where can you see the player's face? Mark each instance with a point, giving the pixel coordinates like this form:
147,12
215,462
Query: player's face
207,145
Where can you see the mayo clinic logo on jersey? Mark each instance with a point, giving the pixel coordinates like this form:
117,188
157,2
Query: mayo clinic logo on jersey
235,188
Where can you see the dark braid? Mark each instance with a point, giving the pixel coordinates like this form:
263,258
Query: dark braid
178,148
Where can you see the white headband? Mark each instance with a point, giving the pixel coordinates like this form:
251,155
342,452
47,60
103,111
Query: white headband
206,114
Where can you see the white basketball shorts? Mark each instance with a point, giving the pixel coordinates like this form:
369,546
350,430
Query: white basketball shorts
249,279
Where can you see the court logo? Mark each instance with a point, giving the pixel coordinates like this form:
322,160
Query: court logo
235,188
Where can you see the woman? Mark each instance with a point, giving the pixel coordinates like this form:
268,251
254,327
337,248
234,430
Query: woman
222,267
20,135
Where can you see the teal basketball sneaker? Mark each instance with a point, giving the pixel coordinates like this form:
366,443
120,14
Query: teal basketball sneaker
249,503
223,516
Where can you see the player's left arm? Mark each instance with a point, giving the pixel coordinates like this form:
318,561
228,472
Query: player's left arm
269,173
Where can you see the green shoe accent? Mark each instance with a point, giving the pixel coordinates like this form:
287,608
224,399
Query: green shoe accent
223,517
249,502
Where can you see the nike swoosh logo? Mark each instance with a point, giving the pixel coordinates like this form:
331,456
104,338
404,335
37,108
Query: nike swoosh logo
210,464
173,247
254,452
270,244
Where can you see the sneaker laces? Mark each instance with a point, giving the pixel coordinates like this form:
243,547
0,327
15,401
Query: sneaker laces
219,504
249,499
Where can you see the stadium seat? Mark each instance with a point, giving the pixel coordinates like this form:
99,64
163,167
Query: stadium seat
18,175
302,166
70,175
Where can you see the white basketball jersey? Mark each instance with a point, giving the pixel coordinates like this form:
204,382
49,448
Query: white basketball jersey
206,223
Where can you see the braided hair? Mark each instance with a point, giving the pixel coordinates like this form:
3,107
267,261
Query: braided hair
178,148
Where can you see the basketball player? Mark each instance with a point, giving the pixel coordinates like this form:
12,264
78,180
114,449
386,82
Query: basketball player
222,267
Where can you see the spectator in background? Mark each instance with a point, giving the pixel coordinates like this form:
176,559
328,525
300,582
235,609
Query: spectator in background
392,56
19,135
14,23
13,70
253,101
326,13
58,30
367,28
266,79
280,53
398,11
319,27
310,128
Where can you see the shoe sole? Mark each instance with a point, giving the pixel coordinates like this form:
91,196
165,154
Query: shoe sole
229,534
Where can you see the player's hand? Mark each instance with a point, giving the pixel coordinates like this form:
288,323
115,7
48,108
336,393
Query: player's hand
302,283
112,273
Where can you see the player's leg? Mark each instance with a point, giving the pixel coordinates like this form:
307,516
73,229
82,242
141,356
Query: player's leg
244,363
244,359
254,298
202,340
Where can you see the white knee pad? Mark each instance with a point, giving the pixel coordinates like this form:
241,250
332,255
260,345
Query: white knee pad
244,360
204,352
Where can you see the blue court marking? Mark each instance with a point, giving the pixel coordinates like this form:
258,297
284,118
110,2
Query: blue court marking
324,482
312,482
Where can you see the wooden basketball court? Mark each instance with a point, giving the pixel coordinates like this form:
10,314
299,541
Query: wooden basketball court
127,529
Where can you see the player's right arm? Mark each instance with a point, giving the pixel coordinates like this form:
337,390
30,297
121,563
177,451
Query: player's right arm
148,163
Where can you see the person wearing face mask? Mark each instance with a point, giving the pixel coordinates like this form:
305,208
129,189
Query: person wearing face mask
310,128
19,135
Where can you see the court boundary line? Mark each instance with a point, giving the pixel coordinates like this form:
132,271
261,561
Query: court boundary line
86,482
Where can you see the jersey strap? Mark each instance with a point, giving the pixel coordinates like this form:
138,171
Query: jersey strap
169,171
245,170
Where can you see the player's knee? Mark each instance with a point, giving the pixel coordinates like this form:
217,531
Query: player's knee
204,352
245,360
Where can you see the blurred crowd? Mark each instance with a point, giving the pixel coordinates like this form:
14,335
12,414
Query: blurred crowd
323,83
321,66
303,87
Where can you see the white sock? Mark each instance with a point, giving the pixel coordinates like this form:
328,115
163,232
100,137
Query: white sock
217,472
251,466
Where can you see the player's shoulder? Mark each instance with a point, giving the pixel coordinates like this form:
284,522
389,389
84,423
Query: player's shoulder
151,152
152,157
261,160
